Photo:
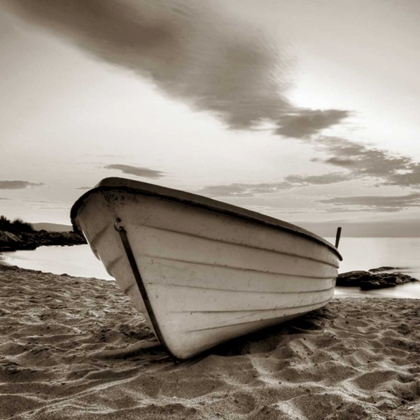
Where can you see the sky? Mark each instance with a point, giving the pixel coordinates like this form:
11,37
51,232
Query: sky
305,111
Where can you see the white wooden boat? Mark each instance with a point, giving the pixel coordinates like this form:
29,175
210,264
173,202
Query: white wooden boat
202,271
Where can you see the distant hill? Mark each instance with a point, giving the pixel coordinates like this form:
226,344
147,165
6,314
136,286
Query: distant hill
52,227
381,229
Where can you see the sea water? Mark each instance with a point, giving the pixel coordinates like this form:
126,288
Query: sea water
358,254
75,260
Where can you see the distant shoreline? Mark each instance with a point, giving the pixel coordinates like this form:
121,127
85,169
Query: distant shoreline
22,241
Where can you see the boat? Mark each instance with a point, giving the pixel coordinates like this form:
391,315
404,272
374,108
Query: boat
202,271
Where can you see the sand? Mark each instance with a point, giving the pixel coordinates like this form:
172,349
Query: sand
73,348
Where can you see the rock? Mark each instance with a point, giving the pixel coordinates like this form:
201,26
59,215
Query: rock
374,279
378,282
32,240
9,241
8,237
354,278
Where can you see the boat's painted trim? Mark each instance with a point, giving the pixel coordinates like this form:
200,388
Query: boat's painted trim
137,187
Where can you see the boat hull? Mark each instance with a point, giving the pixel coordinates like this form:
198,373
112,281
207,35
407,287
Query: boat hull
204,277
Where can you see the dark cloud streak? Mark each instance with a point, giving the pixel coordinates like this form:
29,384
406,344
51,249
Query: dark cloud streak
193,51
137,171
18,185
376,203
304,180
244,190
251,190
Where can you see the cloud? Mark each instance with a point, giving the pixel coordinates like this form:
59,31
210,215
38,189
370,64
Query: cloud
18,185
64,207
363,161
83,188
304,123
304,180
376,202
196,52
47,202
2,198
136,170
406,177
51,205
243,190
192,51
292,181
102,155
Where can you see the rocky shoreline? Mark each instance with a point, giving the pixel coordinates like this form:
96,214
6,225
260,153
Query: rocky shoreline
375,278
32,240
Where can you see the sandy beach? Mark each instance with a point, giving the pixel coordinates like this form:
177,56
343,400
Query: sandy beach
74,348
